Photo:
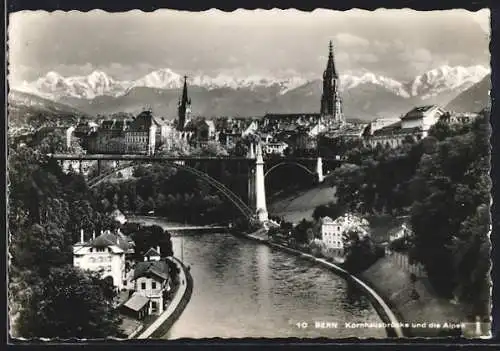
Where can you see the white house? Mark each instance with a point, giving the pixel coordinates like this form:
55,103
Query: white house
276,148
104,254
331,236
414,125
423,118
332,231
152,280
152,254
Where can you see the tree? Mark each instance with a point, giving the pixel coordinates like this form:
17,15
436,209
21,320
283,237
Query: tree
146,237
213,148
41,247
69,303
332,210
240,149
300,232
451,186
441,130
359,250
320,212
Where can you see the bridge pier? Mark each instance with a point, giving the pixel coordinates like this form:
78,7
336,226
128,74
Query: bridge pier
80,166
251,188
260,187
99,167
319,169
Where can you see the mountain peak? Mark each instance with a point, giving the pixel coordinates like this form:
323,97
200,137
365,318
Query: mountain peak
446,79
98,74
52,76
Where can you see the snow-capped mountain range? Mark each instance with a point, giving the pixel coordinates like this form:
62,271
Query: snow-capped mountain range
444,79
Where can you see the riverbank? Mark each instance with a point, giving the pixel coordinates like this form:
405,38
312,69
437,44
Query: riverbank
181,298
174,226
294,207
394,285
394,326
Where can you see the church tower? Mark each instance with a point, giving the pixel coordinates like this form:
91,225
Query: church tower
331,104
183,108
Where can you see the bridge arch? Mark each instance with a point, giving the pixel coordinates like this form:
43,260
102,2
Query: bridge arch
102,177
221,188
284,163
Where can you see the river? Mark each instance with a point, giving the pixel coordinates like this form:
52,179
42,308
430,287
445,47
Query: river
247,289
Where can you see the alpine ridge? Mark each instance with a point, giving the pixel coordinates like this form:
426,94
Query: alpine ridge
365,95
444,79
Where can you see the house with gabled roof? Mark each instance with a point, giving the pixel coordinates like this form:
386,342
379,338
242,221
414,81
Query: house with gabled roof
104,254
146,132
152,280
152,254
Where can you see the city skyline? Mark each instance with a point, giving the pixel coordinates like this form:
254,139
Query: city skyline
132,44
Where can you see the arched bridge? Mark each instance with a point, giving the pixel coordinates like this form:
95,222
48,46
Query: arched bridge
255,169
287,163
221,188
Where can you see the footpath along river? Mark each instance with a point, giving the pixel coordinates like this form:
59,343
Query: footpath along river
246,289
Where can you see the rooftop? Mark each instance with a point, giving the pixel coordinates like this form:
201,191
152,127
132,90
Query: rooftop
417,112
145,120
152,252
291,115
136,302
109,239
159,269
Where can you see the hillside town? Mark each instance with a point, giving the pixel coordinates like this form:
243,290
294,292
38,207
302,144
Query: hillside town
280,134
119,221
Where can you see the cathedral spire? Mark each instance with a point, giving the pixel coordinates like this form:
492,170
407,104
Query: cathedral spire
331,61
331,105
184,107
185,92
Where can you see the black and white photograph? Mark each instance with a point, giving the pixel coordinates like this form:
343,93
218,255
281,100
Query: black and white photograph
248,174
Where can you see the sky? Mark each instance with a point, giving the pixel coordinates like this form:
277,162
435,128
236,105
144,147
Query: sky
396,43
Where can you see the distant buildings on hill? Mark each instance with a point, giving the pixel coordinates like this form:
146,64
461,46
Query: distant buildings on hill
291,133
411,127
